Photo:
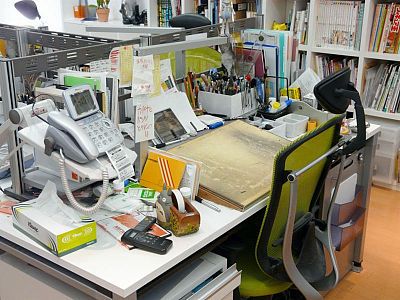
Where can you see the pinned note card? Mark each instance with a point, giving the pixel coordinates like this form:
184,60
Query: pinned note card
125,65
114,61
144,123
142,78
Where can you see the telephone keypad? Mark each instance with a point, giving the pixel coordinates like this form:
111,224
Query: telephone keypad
103,132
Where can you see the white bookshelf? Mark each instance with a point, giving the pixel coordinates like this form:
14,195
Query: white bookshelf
277,10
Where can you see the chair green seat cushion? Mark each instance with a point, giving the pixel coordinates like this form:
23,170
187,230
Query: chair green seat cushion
254,282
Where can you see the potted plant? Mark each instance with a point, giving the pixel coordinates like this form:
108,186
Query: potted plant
92,11
102,10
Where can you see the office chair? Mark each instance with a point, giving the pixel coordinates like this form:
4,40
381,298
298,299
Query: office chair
189,21
289,246
200,59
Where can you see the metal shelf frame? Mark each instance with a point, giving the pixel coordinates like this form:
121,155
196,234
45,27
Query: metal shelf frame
71,50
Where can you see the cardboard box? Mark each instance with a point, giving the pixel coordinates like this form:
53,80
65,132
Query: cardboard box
60,239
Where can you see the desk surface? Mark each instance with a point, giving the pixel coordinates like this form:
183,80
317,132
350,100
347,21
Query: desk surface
123,272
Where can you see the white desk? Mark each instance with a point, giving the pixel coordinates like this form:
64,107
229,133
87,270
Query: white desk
121,271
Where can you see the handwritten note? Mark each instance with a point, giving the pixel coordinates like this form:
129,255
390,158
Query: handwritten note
144,123
142,78
103,65
114,61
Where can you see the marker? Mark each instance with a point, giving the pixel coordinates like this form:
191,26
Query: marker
216,125
207,203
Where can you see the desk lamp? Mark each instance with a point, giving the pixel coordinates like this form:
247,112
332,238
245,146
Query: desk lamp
28,9
335,93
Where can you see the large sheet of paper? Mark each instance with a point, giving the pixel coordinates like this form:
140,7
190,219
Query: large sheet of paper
237,162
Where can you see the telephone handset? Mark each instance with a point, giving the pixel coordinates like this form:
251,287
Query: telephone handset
86,133
65,133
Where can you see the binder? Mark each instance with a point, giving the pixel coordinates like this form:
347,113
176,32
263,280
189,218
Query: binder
160,169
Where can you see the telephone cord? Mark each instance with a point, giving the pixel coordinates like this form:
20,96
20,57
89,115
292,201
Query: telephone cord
75,204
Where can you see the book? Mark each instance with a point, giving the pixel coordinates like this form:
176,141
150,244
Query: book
386,27
380,86
391,87
393,35
378,12
160,169
237,172
359,25
381,24
339,24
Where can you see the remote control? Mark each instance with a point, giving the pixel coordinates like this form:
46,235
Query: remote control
146,241
145,224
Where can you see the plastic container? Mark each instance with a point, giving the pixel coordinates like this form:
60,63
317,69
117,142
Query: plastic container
388,141
295,124
279,128
384,169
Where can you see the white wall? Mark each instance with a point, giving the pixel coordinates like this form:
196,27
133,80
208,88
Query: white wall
50,11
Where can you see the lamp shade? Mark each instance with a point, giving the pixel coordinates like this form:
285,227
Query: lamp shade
28,9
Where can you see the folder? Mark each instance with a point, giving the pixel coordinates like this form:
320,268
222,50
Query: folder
160,169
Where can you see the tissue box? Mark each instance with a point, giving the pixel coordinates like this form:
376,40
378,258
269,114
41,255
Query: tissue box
58,238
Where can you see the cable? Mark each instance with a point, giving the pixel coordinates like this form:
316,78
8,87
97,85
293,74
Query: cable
336,188
85,210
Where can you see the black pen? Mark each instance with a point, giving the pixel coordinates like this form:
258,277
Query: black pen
207,203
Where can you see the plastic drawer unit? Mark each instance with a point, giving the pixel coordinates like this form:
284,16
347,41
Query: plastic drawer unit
26,282
204,278
384,169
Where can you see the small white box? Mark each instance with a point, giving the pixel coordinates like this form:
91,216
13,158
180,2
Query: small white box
279,128
231,106
60,239
295,124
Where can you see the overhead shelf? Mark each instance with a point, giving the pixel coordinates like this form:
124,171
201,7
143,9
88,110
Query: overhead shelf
378,114
382,56
335,51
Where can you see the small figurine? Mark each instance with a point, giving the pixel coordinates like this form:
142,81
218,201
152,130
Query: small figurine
163,206
227,55
227,15
131,14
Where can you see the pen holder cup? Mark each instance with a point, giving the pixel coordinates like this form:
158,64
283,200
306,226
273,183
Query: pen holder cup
184,223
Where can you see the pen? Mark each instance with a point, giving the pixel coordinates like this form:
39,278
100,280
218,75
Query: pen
207,203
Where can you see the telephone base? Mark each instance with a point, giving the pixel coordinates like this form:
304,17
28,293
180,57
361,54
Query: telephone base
38,179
